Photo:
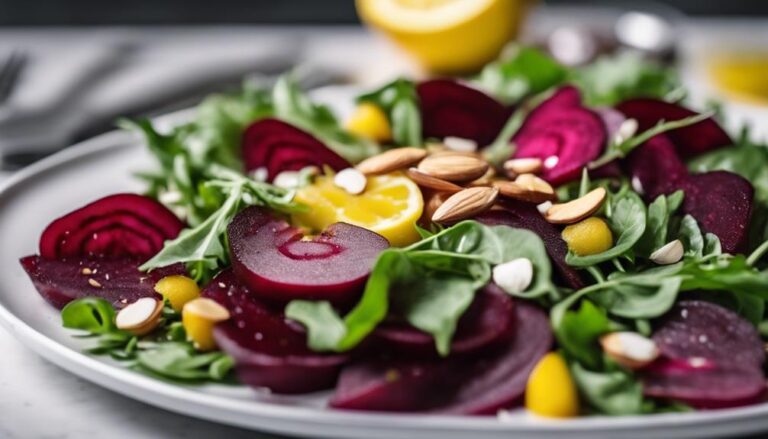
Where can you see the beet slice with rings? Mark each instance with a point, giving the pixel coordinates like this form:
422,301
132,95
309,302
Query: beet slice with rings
275,261
485,323
721,202
115,226
277,146
450,108
711,358
518,214
655,168
466,386
269,350
563,133
689,141
119,281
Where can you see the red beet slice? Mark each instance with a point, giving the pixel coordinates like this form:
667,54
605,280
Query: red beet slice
721,202
269,350
116,280
471,385
449,108
711,357
485,323
689,141
656,168
525,216
563,133
115,226
278,146
273,259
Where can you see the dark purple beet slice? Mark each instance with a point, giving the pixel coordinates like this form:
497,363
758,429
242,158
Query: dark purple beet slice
467,386
269,350
721,202
273,259
689,141
115,226
116,280
656,167
563,133
486,322
278,146
449,108
525,216
711,357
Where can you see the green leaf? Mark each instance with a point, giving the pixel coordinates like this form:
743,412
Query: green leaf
91,314
659,212
691,237
521,72
324,326
577,333
522,243
180,361
399,101
627,222
640,298
614,392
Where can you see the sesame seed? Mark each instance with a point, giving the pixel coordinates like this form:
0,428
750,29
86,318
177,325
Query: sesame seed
222,285
94,283
86,271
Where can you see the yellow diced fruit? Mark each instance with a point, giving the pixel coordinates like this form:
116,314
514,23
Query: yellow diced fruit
588,237
199,317
550,391
177,290
369,121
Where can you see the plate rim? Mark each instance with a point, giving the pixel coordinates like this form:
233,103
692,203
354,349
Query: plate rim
283,419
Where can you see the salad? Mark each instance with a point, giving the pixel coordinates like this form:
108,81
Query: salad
575,241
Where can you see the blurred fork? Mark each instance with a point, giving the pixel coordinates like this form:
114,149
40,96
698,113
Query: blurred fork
10,71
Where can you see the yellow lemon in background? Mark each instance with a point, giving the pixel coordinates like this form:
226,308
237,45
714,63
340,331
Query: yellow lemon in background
742,75
447,36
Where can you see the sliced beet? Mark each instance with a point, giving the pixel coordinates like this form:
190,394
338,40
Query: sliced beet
116,226
468,386
689,141
278,146
269,350
522,215
711,357
485,323
563,133
449,108
116,280
656,167
273,259
721,202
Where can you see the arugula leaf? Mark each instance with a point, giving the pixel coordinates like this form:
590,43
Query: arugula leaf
91,314
293,106
612,79
180,362
399,101
324,327
577,333
627,221
520,72
657,224
612,392
691,236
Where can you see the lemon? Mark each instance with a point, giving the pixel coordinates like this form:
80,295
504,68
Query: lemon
390,206
178,290
447,36
743,75
550,390
369,121
588,237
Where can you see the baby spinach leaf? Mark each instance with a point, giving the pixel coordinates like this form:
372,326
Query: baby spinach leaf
691,236
627,221
91,314
657,224
180,361
399,101
641,298
577,333
324,326
615,392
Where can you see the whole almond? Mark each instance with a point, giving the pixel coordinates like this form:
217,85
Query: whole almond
515,167
453,167
517,191
485,180
465,204
430,182
391,160
576,210
431,203
536,184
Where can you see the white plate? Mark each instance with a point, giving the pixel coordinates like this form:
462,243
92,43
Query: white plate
105,165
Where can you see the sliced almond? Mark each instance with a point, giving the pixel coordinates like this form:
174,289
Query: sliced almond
208,309
527,187
460,144
669,253
454,167
486,180
391,160
140,317
576,210
629,349
516,167
351,180
431,182
465,204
